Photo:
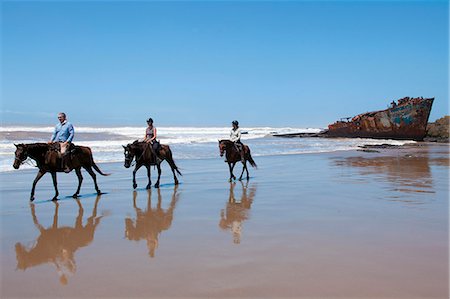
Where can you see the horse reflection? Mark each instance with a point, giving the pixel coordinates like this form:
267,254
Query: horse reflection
149,224
57,245
236,212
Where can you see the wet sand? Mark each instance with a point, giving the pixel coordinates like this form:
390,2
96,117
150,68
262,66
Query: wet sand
344,224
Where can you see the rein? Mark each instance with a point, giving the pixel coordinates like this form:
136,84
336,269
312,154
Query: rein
28,161
134,161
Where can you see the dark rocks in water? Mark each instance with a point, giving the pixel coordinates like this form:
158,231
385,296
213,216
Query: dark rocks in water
368,151
439,130
384,145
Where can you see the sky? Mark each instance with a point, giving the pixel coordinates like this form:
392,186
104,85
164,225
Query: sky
206,63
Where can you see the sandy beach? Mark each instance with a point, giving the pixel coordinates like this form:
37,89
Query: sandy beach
329,225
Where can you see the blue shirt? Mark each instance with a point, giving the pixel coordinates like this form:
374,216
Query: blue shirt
63,132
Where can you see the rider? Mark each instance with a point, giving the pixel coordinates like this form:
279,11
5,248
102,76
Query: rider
150,137
235,136
63,134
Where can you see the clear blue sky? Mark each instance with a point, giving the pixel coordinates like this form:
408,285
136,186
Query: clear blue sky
295,63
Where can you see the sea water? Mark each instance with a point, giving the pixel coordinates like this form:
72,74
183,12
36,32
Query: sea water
186,142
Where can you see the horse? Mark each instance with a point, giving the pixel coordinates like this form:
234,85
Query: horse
142,154
48,160
232,156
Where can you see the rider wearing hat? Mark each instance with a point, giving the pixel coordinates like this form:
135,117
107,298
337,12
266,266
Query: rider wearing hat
235,136
150,137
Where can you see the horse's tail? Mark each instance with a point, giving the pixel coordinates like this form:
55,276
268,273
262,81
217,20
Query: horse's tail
98,169
250,160
170,160
95,165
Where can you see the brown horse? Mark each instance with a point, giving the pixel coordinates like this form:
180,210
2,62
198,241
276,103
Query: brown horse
142,154
48,160
232,156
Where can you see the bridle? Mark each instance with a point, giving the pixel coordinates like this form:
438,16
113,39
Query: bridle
25,160
222,147
129,157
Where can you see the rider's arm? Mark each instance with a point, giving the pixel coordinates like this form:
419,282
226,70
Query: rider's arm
238,134
71,133
154,134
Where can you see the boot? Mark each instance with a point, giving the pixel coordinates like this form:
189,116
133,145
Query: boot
65,167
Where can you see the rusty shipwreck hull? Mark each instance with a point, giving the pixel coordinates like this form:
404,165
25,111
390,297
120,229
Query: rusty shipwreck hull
406,119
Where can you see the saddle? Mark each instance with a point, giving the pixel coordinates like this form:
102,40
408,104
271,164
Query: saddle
54,153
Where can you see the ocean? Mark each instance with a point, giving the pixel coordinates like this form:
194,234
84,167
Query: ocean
185,142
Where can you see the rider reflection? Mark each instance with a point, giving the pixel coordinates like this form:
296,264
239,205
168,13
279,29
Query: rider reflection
236,212
149,224
57,245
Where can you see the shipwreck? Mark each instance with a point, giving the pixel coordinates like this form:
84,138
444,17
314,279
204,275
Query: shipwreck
405,119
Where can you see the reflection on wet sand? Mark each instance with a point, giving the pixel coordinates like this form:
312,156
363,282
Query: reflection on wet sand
408,174
236,212
150,223
57,245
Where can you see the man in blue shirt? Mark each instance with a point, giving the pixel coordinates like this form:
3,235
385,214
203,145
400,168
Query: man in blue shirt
63,134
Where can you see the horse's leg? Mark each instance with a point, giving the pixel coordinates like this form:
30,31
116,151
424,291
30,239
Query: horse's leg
38,177
94,178
244,167
80,180
136,168
175,179
158,166
55,184
231,166
149,175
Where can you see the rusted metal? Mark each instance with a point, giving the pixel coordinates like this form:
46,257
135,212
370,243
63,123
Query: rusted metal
406,119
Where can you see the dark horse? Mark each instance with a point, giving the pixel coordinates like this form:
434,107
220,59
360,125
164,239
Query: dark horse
232,155
143,155
48,160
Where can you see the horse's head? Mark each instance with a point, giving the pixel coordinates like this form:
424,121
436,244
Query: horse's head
21,155
223,145
129,155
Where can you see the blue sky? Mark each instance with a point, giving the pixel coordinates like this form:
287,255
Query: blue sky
293,63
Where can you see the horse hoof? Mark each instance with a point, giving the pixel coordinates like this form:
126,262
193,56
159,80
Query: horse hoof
99,192
240,179
31,198
148,187
156,185
230,180
55,198
176,183
75,196
134,186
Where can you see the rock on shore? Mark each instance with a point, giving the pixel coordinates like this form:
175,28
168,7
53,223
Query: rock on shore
439,130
